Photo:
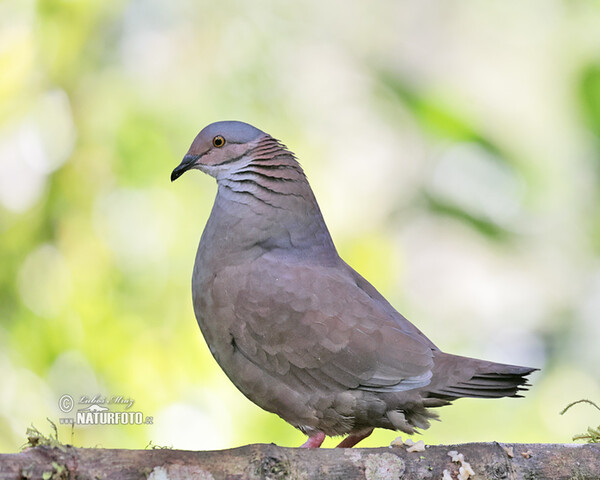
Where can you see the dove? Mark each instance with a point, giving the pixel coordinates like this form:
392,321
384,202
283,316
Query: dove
296,329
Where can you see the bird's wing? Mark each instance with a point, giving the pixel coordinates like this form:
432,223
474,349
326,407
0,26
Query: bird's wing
314,324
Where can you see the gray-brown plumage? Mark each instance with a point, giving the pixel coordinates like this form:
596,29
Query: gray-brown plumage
293,326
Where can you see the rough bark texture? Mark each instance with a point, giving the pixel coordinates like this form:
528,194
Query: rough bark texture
490,461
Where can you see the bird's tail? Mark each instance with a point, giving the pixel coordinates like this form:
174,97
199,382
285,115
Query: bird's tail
468,377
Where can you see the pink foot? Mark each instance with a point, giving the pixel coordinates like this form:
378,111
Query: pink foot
314,441
353,439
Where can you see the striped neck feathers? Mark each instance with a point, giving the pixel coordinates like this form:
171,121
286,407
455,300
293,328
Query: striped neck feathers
269,174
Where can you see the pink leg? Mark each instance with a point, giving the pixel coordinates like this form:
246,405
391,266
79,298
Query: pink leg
314,441
353,439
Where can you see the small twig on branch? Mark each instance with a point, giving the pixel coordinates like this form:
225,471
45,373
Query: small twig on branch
593,434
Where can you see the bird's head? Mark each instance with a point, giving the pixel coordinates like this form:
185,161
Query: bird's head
219,148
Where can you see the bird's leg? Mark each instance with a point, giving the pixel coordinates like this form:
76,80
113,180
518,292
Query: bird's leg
353,439
314,441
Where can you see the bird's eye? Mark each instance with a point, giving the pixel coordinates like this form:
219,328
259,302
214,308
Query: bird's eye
218,141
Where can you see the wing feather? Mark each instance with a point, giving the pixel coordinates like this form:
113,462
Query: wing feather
314,326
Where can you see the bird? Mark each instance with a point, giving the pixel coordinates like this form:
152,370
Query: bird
295,328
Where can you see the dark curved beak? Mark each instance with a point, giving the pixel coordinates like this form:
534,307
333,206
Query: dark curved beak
187,163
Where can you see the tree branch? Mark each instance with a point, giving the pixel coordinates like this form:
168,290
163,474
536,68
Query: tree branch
491,461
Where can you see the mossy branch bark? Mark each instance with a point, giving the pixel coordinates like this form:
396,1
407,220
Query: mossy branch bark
488,461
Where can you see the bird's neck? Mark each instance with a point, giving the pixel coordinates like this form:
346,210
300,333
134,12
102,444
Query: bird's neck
267,206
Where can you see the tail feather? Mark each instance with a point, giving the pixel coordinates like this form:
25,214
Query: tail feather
469,377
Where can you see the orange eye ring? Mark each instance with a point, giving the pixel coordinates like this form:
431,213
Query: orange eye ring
218,141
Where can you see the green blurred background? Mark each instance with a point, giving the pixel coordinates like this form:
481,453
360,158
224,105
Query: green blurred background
453,147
